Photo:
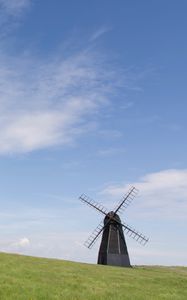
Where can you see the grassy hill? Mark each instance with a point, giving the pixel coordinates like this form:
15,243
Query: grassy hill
23,277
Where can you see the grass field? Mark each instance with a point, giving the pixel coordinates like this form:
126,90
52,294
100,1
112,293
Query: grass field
23,277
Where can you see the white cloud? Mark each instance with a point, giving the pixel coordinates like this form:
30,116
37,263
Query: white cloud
67,246
49,102
162,194
22,243
14,7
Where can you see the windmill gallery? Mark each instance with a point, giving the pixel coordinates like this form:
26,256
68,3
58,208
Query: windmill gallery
113,249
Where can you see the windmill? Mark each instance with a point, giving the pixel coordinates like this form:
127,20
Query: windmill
113,249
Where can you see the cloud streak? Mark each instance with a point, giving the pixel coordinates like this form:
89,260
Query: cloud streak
50,101
98,33
14,7
47,103
162,194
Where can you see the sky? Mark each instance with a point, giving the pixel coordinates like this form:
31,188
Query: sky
93,100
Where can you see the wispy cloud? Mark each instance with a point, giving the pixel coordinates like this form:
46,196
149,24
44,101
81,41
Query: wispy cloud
50,101
98,33
110,133
11,12
163,194
14,7
111,151
46,103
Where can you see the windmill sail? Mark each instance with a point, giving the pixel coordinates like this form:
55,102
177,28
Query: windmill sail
94,236
139,237
93,204
127,199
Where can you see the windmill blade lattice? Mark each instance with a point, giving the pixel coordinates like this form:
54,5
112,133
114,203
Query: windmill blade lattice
94,236
93,204
127,199
139,237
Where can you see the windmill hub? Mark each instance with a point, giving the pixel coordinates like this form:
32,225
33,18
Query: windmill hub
112,217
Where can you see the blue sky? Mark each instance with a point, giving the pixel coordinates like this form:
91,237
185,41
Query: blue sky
93,100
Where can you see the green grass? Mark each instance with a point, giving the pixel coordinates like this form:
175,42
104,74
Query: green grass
23,277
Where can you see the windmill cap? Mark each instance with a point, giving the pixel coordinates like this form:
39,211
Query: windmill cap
113,216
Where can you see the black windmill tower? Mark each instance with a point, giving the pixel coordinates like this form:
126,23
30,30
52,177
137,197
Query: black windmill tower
113,249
